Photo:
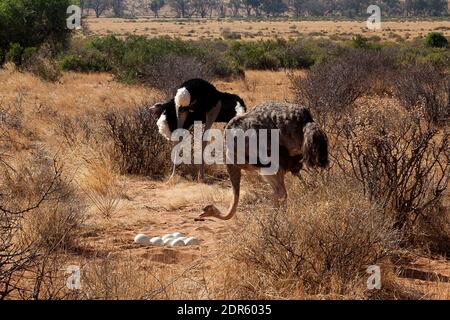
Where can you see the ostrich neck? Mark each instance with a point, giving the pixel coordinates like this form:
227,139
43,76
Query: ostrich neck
231,211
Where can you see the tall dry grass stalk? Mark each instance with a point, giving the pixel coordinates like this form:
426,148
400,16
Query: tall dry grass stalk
102,186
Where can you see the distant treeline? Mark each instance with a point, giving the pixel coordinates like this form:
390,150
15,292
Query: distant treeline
265,8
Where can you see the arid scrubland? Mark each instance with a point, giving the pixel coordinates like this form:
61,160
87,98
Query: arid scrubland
83,170
195,29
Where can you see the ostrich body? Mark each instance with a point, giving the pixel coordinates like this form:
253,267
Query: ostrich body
197,100
301,143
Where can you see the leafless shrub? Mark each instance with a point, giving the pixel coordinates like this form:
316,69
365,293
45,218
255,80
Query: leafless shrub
13,133
427,88
138,146
170,72
332,87
401,162
45,279
11,116
78,129
39,214
321,245
57,211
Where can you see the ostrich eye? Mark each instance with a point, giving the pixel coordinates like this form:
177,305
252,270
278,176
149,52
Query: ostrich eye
185,109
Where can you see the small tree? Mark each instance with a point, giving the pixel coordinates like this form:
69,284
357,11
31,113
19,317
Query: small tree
201,7
298,7
221,8
100,6
235,6
252,5
274,7
156,6
118,7
436,40
183,8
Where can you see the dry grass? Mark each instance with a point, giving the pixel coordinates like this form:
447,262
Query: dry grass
260,86
320,247
102,186
109,279
255,30
74,94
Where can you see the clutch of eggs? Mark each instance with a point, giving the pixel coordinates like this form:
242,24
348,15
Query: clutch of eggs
176,239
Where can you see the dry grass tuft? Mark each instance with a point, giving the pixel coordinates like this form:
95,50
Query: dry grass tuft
102,186
108,279
321,245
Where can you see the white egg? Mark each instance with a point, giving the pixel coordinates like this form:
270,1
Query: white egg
177,243
156,241
167,240
177,235
169,235
191,241
142,239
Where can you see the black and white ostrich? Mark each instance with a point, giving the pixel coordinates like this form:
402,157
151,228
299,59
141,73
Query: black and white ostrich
301,142
197,100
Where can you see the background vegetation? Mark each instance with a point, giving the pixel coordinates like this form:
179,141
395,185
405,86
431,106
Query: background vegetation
264,8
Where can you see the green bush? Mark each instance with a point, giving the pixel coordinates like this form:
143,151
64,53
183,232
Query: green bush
414,53
226,68
86,61
271,54
14,54
436,40
130,57
360,42
28,54
437,56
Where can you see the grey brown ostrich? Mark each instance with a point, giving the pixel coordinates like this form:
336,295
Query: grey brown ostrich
197,100
301,142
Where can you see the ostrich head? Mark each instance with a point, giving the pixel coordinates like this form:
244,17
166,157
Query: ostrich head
210,211
182,103
168,121
165,113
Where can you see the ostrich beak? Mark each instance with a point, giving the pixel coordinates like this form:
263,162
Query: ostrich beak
181,118
205,213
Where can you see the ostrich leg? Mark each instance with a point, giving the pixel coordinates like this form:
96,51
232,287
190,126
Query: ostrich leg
279,189
211,117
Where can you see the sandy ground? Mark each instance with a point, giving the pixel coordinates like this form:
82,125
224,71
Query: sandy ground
254,30
155,209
